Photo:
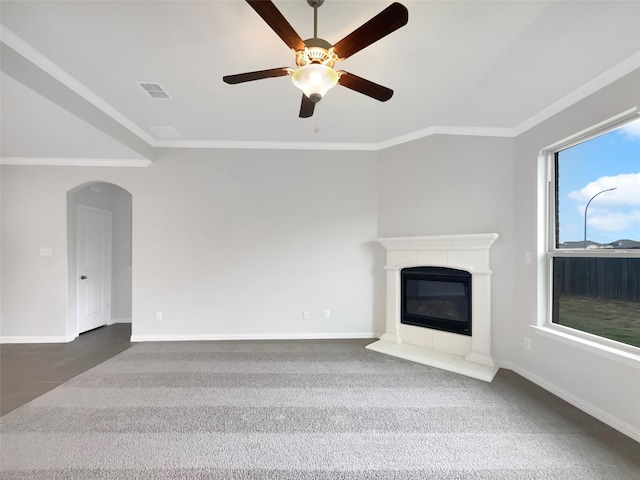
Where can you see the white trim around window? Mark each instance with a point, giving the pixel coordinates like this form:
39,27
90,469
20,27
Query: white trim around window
613,350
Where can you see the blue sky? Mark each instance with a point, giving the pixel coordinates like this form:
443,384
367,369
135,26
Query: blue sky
608,161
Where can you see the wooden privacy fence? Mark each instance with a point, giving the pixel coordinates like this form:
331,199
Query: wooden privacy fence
611,278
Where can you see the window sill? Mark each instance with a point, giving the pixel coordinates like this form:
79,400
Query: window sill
616,354
595,252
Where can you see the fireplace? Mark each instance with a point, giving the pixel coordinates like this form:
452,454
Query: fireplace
436,297
436,287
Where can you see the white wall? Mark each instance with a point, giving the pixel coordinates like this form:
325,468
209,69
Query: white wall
224,243
447,184
603,387
34,288
240,242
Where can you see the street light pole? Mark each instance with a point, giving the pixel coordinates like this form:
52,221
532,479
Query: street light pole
585,213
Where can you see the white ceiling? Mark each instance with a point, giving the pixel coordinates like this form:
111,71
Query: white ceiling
481,64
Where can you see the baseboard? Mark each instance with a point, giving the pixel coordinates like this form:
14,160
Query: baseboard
252,336
596,412
119,320
36,339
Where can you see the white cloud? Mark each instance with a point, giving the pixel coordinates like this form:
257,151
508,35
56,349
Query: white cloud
615,210
631,131
607,221
627,191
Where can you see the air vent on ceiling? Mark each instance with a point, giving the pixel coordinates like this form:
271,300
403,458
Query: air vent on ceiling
154,90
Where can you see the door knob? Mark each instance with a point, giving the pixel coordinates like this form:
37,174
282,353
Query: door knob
83,277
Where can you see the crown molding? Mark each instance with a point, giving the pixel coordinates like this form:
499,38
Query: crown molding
444,130
76,162
426,132
252,145
616,72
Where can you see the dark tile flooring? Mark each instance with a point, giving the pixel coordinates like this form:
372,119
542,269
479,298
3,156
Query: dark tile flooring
29,370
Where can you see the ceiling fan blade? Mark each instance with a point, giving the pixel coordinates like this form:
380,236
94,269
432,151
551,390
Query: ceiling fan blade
259,75
307,107
270,14
365,87
389,20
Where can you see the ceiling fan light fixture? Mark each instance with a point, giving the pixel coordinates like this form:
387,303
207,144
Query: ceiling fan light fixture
315,57
315,80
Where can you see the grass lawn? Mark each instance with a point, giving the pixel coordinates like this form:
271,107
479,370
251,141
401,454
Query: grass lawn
613,319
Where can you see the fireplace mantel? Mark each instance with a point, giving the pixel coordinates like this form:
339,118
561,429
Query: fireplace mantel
461,354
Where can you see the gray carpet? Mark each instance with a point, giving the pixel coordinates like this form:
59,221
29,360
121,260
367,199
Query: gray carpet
297,410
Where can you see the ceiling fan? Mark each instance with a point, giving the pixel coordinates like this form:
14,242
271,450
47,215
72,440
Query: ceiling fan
315,57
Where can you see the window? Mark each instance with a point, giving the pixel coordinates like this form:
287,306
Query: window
594,233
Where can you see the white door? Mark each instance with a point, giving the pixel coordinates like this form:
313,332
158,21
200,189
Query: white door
93,245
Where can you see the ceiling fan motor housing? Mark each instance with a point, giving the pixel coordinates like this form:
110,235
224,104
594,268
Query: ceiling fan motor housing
317,50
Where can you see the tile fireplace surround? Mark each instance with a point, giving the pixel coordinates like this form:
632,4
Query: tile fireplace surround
467,355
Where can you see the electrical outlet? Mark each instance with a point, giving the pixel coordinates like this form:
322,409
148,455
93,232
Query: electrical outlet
158,315
327,313
527,343
305,315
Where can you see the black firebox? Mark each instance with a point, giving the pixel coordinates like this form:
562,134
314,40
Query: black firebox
438,298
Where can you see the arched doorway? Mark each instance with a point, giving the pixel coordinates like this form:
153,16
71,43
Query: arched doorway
99,240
